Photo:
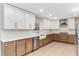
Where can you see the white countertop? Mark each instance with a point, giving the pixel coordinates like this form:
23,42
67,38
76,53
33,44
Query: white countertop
24,36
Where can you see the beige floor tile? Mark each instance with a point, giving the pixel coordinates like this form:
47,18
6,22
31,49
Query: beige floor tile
55,49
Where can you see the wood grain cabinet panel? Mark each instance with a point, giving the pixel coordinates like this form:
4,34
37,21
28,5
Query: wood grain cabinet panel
28,45
9,48
71,38
63,37
54,37
20,47
49,39
44,41
41,42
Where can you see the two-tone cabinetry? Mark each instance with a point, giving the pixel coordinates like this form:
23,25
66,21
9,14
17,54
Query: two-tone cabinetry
68,38
18,48
46,40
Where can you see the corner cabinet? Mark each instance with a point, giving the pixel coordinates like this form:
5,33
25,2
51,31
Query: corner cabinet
45,24
55,24
16,18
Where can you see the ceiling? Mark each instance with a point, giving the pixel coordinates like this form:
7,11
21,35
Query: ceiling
52,10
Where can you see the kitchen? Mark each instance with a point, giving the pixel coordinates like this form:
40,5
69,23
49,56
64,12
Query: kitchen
23,31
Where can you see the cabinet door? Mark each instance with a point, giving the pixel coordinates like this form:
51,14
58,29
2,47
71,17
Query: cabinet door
55,24
28,45
48,24
44,41
71,23
20,47
9,48
20,18
13,17
63,37
41,42
44,24
9,17
29,21
71,38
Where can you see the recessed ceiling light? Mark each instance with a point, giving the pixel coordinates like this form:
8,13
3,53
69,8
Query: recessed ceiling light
50,15
75,10
41,10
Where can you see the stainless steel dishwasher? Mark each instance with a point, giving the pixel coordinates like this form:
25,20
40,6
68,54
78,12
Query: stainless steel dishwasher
35,43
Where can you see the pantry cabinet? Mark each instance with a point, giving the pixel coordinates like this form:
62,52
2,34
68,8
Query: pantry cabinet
28,45
16,18
10,48
20,47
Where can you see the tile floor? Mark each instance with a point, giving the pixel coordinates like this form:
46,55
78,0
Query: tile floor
55,49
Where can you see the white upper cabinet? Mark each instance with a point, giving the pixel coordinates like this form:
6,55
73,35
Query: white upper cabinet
71,23
15,18
55,24
9,17
29,21
20,18
45,24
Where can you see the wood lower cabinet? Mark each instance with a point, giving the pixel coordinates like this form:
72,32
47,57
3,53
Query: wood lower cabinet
41,42
44,41
68,38
55,37
20,48
71,38
63,37
9,48
28,45
49,38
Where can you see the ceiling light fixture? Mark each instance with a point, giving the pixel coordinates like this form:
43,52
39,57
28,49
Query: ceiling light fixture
50,15
75,10
41,10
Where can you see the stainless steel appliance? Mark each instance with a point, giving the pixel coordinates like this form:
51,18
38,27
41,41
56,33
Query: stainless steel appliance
35,43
